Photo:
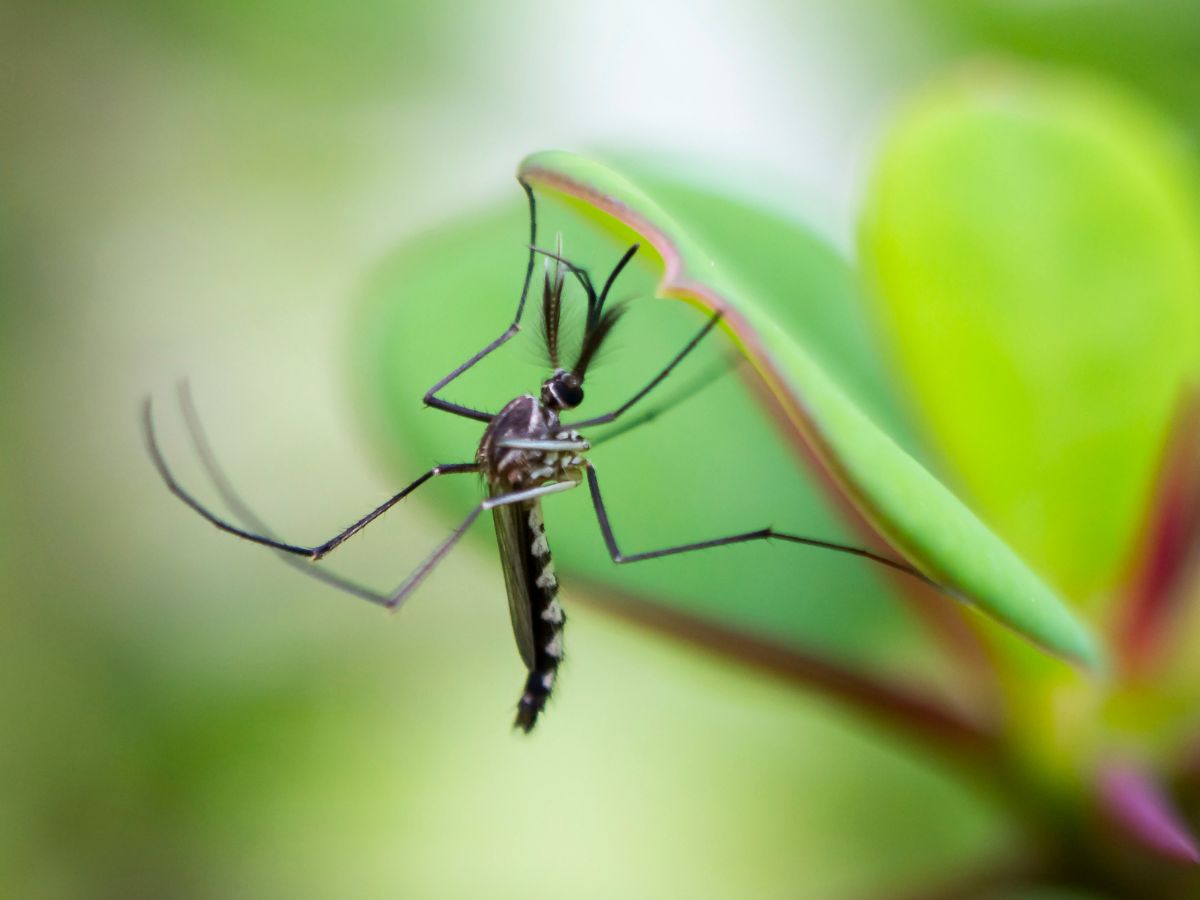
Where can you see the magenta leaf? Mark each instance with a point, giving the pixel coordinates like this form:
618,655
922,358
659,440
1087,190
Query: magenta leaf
1135,802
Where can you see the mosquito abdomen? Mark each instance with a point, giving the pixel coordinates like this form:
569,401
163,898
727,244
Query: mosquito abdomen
547,618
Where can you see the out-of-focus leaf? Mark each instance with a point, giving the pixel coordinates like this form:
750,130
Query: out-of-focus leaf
324,49
914,512
1151,45
1137,804
1035,245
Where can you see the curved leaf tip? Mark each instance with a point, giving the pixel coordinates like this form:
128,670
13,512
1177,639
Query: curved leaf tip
903,503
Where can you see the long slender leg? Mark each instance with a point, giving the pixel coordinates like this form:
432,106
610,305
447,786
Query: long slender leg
243,512
595,301
249,519
431,398
550,446
422,571
614,274
313,553
759,535
655,381
580,273
687,392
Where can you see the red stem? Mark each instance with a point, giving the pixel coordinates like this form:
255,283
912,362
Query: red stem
1166,548
897,707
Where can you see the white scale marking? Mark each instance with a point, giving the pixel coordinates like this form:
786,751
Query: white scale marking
533,414
540,547
547,579
554,648
553,613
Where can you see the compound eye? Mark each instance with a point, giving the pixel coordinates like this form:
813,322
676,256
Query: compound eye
570,395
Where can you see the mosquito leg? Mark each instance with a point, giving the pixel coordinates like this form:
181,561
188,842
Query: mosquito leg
655,381
615,273
550,446
431,398
691,389
249,519
247,516
338,539
580,273
761,534
313,553
422,571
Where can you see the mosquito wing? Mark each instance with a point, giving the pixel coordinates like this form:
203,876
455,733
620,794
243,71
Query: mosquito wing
514,536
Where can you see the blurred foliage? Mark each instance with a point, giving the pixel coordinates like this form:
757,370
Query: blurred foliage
1035,240
1034,243
199,188
333,50
1153,46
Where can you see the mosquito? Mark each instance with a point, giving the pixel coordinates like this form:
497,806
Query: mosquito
527,452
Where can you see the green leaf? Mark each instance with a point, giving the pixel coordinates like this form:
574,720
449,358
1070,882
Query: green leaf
910,508
714,464
1035,244
1149,45
711,465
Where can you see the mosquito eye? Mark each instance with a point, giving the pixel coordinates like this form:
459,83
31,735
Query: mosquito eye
569,395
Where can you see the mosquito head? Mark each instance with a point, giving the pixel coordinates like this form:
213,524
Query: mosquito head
562,390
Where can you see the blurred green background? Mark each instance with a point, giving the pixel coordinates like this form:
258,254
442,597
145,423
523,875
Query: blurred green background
202,189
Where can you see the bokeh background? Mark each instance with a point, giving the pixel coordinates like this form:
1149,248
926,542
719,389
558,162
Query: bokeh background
202,189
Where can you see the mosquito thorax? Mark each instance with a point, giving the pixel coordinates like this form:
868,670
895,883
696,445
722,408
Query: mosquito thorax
528,419
562,390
